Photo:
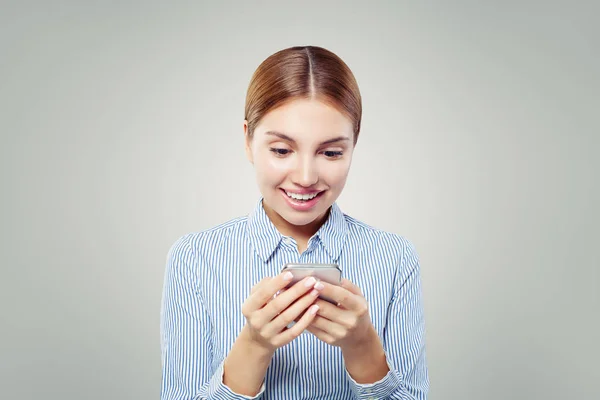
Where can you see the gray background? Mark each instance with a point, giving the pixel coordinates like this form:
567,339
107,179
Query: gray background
122,130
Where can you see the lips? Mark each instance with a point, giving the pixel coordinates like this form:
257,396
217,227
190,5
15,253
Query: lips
302,205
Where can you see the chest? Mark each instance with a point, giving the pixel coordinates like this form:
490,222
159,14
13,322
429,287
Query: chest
227,285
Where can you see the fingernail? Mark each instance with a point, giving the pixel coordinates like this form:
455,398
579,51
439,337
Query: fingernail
313,310
310,282
314,293
319,286
288,276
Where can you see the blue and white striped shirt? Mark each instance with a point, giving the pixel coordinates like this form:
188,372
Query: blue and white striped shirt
209,275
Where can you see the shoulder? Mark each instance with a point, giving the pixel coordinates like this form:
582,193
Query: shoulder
197,244
393,244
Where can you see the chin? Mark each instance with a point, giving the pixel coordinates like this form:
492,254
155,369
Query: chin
300,220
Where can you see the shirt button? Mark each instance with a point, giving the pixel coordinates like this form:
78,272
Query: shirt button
287,240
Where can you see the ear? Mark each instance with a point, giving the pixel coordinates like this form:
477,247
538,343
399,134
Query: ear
248,143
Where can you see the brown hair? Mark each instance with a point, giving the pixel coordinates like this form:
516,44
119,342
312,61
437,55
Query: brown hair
308,72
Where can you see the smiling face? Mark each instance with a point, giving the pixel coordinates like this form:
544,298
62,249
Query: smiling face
301,153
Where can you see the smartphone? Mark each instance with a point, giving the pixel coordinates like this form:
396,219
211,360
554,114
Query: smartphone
330,273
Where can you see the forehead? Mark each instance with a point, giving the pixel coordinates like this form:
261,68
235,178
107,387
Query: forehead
306,121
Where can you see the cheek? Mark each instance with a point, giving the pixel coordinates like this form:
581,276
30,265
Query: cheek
269,168
335,174
279,165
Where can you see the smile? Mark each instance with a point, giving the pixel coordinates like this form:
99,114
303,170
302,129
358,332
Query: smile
302,197
302,202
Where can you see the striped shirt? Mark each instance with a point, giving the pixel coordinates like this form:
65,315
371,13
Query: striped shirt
209,275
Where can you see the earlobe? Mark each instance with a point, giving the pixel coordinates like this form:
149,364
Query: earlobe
248,143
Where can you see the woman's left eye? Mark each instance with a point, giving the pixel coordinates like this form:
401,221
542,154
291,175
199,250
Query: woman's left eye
333,154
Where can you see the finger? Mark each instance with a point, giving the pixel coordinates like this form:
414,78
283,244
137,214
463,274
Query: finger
283,301
249,304
336,314
291,313
279,292
343,297
346,284
260,284
290,334
321,335
266,291
331,328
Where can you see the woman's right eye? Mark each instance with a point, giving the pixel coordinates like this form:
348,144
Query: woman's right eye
279,152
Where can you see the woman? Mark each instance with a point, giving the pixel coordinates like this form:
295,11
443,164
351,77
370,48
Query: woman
225,333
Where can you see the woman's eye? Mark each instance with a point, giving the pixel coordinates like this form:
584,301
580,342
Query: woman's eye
280,152
333,154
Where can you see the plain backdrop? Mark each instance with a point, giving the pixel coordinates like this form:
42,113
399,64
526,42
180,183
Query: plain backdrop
121,129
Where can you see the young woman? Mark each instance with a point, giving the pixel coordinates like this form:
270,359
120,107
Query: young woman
225,333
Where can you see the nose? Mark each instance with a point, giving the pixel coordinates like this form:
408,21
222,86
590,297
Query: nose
306,173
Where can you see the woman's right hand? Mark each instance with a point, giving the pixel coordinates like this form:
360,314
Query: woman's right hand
266,330
268,316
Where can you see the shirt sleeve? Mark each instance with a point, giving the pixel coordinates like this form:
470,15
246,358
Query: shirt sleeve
404,339
188,372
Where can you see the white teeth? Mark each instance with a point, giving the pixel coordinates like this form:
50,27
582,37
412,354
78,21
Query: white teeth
301,196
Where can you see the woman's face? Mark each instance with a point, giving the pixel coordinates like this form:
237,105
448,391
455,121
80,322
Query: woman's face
301,153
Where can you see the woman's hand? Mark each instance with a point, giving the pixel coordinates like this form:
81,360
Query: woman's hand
346,325
349,326
266,329
268,316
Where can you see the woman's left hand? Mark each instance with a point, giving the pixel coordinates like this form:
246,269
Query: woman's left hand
346,325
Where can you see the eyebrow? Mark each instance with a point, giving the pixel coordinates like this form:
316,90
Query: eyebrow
289,139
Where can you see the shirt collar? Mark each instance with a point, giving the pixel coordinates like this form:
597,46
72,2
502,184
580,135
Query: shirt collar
266,238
